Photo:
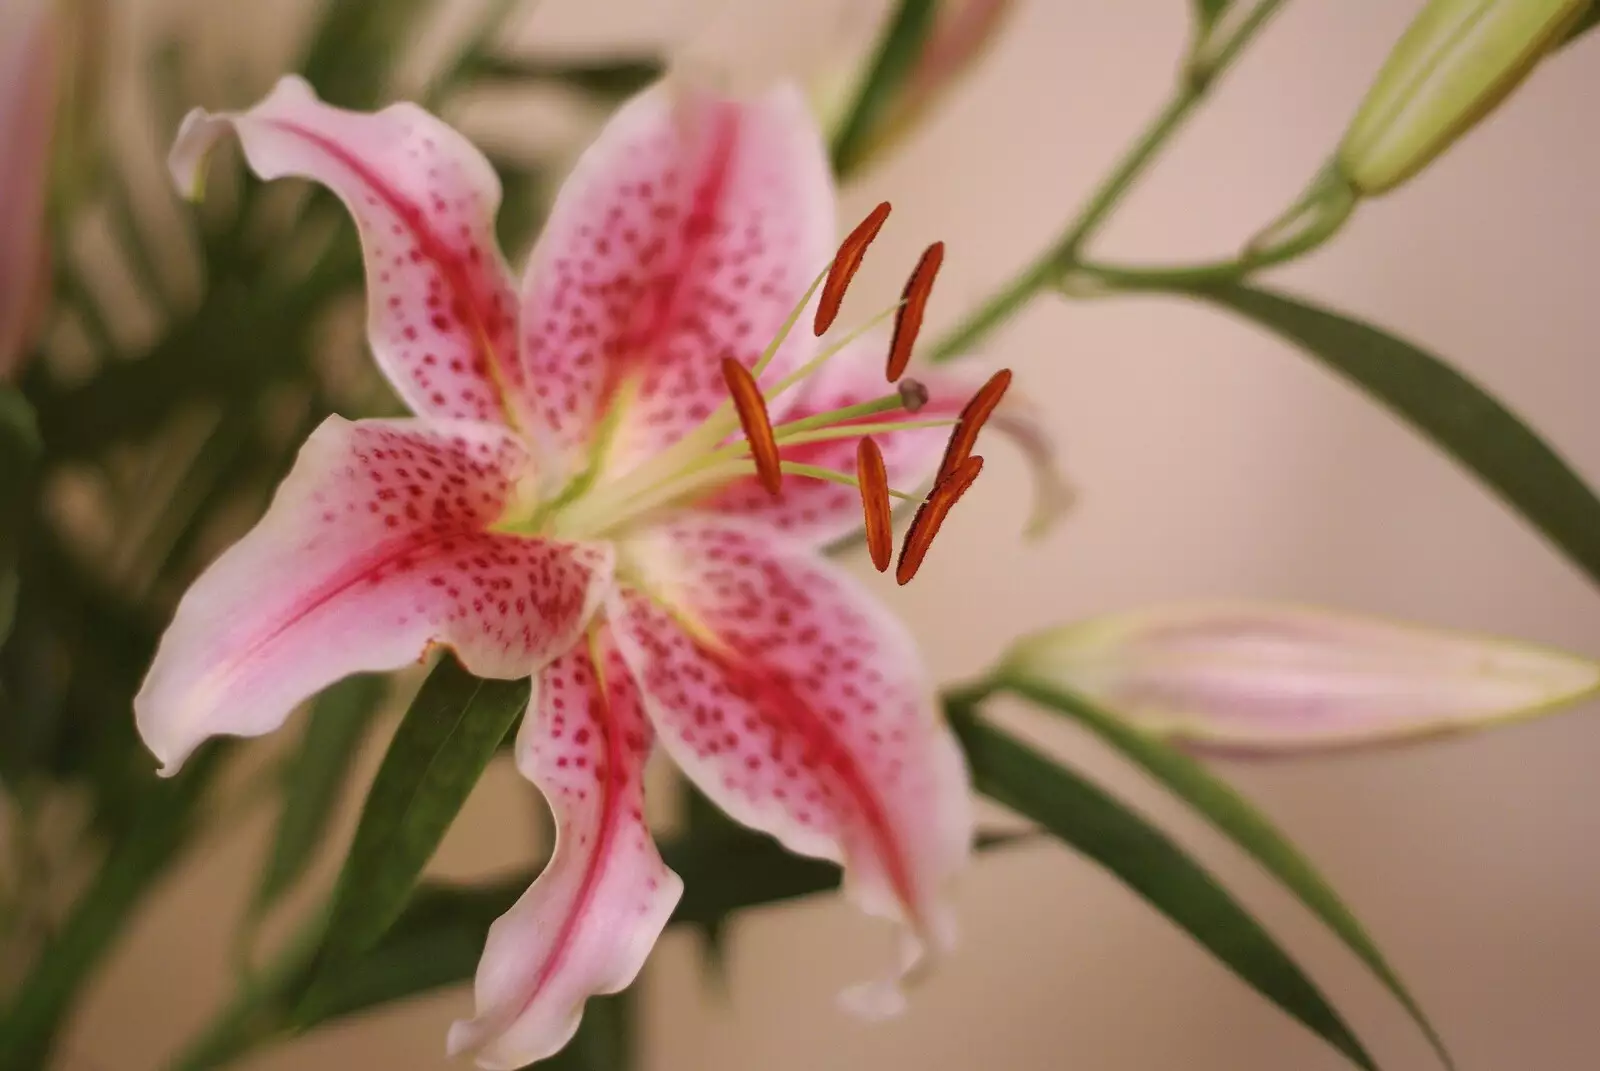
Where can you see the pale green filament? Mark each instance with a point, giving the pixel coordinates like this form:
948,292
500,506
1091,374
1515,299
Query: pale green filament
705,459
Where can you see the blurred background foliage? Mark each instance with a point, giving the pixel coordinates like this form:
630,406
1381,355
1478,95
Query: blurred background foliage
183,357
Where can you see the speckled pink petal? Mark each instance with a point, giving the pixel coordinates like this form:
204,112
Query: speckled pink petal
587,925
686,234
374,548
441,310
799,705
819,512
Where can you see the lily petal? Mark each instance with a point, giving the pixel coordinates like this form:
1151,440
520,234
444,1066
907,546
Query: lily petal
686,233
818,512
374,548
441,309
800,706
588,923
1267,679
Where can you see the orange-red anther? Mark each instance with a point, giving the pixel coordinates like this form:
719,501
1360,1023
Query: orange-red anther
931,514
845,263
973,416
908,318
752,409
874,481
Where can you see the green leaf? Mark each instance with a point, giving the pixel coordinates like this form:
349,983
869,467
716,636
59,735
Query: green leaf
896,57
313,777
162,825
1240,822
439,751
1459,416
20,449
355,46
707,824
611,79
1149,863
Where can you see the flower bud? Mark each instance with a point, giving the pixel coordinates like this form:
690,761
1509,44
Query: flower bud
1268,679
960,32
1454,64
29,56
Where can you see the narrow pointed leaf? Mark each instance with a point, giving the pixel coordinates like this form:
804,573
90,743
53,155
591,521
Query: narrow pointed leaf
1239,820
1149,863
439,751
1459,416
313,777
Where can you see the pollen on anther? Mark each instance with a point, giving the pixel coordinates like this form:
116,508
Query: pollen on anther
913,395
757,425
973,416
843,268
913,302
873,480
930,516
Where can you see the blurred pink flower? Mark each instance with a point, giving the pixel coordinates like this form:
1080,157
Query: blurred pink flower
29,61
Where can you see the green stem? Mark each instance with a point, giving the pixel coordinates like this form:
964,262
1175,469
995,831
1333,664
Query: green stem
28,1028
1063,255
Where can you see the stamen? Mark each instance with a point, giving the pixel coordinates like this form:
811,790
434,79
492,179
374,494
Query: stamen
913,394
973,416
845,263
752,409
874,481
914,299
930,515
843,479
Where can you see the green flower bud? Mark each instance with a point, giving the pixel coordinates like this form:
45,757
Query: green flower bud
1457,61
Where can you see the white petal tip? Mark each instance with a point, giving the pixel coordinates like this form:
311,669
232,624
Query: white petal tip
199,131
464,1036
874,1001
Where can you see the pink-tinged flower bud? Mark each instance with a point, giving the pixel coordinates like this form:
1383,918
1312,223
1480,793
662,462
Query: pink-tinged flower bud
1455,63
1268,679
961,31
29,57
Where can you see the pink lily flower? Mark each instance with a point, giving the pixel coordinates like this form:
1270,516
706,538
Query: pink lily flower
573,500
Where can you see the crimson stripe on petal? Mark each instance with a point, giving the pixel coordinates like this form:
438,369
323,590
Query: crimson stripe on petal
588,923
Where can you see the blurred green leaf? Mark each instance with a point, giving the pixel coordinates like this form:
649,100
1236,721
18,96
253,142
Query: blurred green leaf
896,56
20,448
161,827
1207,12
439,751
524,202
312,778
1242,823
611,79
1460,417
355,46
1149,863
707,824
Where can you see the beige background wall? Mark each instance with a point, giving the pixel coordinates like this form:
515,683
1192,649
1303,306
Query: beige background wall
1213,461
